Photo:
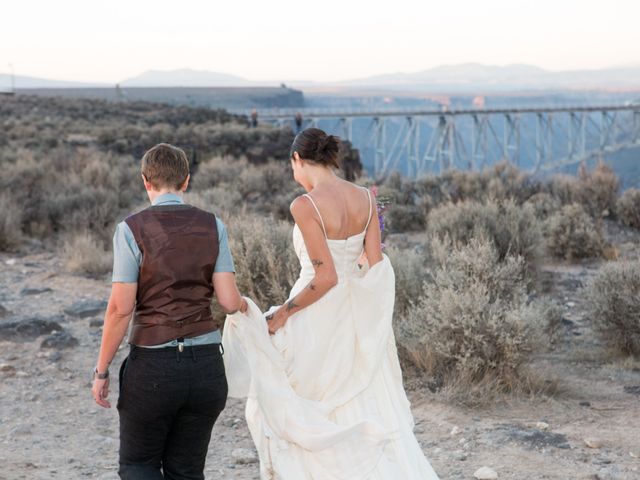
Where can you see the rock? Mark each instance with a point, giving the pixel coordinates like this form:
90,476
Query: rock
455,430
570,304
593,442
534,438
86,308
542,425
485,473
244,456
584,403
34,291
4,312
21,430
7,370
59,341
632,389
96,322
29,329
11,262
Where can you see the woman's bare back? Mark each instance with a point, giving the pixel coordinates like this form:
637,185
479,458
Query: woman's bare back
345,208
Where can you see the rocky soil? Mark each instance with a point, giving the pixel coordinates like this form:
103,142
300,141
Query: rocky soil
50,428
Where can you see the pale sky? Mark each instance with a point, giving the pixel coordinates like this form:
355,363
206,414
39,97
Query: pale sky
322,40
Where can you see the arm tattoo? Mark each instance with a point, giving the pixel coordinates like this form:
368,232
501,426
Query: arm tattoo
291,305
317,263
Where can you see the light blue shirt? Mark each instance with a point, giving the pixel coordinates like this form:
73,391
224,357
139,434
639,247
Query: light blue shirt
127,259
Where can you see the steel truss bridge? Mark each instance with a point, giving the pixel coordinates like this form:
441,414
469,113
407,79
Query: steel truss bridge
431,141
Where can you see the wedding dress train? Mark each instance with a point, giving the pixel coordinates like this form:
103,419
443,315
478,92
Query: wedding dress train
325,399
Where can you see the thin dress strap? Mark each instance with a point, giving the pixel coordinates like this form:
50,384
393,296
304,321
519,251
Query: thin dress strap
318,212
370,209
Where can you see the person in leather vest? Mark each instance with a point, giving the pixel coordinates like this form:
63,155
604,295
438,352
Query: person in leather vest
170,259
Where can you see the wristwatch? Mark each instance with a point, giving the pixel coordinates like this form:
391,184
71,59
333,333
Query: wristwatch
100,376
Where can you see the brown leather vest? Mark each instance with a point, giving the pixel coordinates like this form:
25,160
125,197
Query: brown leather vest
179,245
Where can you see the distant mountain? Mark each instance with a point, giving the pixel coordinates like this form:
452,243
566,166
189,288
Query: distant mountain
22,81
474,76
448,79
456,74
185,78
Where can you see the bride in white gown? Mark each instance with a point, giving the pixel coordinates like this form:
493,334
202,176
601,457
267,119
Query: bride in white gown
325,399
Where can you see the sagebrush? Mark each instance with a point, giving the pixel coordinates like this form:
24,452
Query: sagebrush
614,306
573,234
472,321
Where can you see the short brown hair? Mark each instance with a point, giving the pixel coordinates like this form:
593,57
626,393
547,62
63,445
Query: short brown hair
165,166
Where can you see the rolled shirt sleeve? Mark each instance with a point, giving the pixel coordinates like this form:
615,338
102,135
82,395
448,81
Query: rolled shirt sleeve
224,263
126,255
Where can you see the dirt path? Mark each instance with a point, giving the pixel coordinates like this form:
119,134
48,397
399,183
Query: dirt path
50,428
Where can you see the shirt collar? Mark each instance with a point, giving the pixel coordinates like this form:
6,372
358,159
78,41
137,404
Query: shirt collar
168,199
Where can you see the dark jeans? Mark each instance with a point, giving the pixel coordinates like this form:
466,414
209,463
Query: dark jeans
168,404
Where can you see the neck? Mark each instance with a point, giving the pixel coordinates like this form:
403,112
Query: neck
153,194
320,175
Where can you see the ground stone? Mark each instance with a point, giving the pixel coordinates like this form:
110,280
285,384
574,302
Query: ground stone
632,389
34,291
534,438
59,341
86,308
96,322
29,329
242,456
593,442
485,473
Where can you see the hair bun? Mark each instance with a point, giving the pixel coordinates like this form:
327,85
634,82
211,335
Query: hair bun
315,145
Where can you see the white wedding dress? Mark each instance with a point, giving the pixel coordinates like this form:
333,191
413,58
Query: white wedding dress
325,399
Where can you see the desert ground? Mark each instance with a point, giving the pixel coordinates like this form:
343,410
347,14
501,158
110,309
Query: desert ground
50,428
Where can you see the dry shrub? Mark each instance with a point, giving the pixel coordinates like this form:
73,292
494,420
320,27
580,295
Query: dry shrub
85,254
71,190
472,326
411,270
596,190
267,188
572,234
407,206
548,317
218,170
544,205
599,189
10,223
513,229
222,201
628,208
566,188
614,306
266,264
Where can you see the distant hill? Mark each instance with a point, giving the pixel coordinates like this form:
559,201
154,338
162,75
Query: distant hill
22,81
448,79
474,76
185,78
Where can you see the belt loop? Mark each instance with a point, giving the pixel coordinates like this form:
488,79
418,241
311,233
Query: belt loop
193,353
221,348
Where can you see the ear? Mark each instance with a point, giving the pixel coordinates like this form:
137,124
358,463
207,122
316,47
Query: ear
296,157
147,185
185,184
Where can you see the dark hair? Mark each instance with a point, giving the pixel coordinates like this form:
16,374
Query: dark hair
165,166
315,145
